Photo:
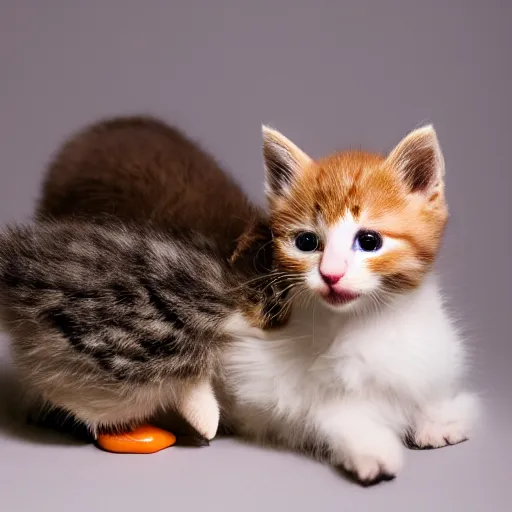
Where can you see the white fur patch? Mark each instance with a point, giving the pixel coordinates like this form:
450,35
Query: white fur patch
237,325
199,407
354,381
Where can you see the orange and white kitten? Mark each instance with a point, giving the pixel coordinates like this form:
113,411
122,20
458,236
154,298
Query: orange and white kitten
370,359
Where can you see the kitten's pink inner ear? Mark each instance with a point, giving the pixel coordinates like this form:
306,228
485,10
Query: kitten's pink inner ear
419,160
284,162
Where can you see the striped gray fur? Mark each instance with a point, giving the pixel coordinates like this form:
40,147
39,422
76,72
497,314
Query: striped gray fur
113,323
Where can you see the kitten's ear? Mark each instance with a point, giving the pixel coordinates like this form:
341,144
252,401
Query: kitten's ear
284,161
419,159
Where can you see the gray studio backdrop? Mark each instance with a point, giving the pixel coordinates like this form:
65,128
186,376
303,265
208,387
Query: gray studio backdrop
330,75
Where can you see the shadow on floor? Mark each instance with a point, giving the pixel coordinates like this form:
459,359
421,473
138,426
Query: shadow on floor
15,419
16,422
56,428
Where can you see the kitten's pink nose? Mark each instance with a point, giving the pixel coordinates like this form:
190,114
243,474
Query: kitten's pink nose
331,279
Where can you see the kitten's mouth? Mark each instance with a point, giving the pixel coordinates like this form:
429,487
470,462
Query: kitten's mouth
339,297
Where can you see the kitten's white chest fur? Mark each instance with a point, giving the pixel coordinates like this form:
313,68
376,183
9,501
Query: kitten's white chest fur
355,383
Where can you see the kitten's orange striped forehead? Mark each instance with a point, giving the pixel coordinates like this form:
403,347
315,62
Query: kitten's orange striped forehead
363,185
350,182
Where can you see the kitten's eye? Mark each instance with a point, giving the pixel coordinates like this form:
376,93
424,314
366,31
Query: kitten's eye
306,241
368,241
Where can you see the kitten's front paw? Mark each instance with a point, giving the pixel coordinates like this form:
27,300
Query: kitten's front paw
437,435
200,408
379,459
445,423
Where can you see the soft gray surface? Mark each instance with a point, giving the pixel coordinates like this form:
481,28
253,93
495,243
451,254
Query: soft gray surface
329,75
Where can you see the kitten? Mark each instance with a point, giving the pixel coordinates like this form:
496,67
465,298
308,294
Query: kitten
370,358
142,171
113,323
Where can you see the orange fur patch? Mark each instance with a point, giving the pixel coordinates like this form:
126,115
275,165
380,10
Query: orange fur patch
289,263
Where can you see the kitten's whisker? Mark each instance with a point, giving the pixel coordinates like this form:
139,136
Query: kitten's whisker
260,278
314,310
283,291
292,338
259,250
280,279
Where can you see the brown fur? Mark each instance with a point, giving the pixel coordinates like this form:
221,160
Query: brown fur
139,169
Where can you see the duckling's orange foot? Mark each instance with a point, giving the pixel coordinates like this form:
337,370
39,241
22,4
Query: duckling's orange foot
143,439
